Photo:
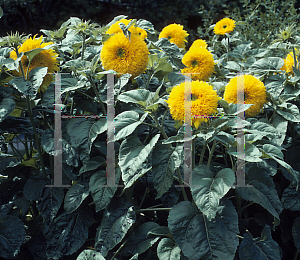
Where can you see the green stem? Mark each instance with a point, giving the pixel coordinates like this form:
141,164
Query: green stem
181,184
152,209
144,196
83,46
202,153
26,146
98,95
121,246
211,152
239,204
295,58
15,150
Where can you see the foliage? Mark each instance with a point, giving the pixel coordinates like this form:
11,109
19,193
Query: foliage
124,180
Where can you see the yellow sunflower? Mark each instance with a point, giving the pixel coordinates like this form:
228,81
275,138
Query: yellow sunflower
254,93
115,28
200,62
46,58
175,34
204,102
125,56
226,25
289,62
199,44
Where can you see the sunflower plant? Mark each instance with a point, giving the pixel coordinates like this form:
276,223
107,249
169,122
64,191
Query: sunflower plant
164,151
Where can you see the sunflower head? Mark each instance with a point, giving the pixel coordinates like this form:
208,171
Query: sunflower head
175,34
14,40
254,93
115,28
199,62
46,58
289,62
199,44
125,55
226,25
204,102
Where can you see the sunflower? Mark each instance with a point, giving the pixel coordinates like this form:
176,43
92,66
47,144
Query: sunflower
200,62
226,25
204,102
46,58
175,34
289,62
115,28
254,93
199,44
125,56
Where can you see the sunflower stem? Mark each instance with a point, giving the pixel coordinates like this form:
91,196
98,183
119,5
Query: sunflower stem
295,58
83,45
211,152
202,153
98,95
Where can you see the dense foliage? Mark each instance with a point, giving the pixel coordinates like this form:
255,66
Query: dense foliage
151,208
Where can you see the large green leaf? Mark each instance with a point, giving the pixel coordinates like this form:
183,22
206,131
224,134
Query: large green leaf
207,190
261,248
7,106
83,132
135,96
89,254
251,153
68,232
23,86
263,191
75,196
126,122
138,242
289,112
165,160
296,232
32,53
275,84
36,77
267,64
168,250
131,157
199,238
291,198
117,219
100,191
280,125
12,235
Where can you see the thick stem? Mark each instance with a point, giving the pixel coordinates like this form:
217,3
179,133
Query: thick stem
98,96
83,46
181,184
202,153
211,152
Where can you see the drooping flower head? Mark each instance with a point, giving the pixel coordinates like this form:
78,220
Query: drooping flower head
200,62
254,93
204,102
175,34
115,28
289,62
125,55
199,44
46,58
226,25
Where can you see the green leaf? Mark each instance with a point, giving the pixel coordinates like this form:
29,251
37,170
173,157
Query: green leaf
7,106
240,50
199,238
159,231
50,203
83,132
1,12
75,196
289,111
68,232
275,84
93,164
23,86
89,254
262,248
272,150
168,250
69,154
280,124
100,191
267,64
138,242
32,53
36,77
175,78
165,160
263,191
12,235
207,190
232,65
132,154
152,59
135,96
296,232
118,218
126,122
250,154
291,198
